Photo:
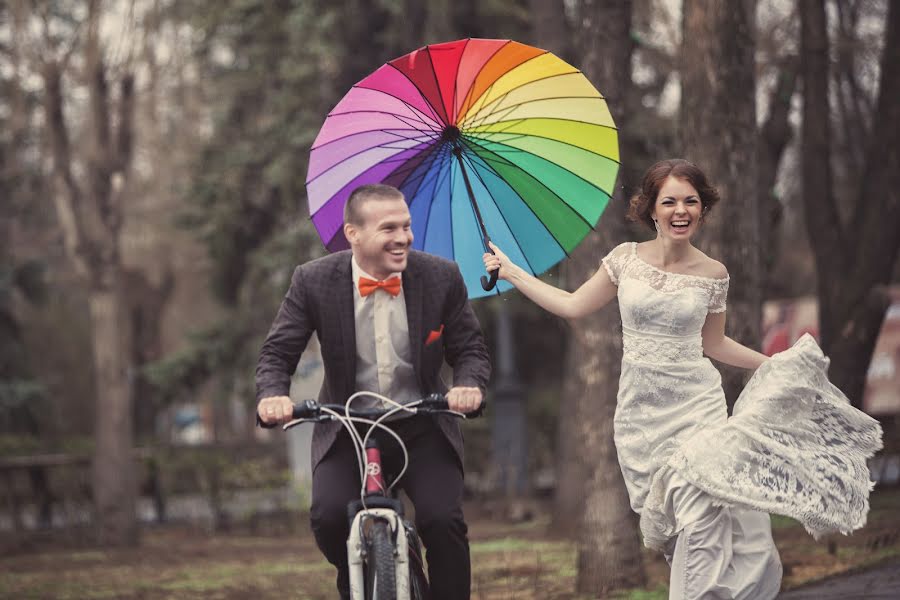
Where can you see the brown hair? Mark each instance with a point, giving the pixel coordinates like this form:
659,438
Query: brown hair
364,193
641,206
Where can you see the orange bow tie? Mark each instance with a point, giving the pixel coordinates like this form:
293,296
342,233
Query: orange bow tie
367,286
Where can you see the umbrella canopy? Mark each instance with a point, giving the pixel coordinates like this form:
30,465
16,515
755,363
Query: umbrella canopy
524,131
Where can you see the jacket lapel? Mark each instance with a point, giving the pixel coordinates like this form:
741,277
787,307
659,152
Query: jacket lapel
414,296
343,306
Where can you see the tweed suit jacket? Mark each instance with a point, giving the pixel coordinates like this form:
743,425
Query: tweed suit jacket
320,299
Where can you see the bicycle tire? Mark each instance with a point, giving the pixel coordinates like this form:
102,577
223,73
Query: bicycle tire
380,567
418,582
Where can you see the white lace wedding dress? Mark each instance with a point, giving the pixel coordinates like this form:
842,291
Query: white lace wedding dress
703,483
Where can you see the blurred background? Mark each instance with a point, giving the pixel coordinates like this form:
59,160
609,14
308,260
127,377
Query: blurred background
152,208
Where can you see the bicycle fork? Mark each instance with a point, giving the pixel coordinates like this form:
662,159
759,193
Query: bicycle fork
383,510
356,549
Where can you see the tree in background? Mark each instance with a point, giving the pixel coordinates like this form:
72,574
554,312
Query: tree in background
609,553
718,132
853,233
91,176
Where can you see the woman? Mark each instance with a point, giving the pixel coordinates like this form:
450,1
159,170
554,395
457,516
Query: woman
702,482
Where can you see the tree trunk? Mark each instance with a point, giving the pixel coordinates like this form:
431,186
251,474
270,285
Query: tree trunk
854,259
718,133
609,553
89,210
113,467
550,33
146,307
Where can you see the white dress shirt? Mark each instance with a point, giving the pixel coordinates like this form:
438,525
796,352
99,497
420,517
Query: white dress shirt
383,356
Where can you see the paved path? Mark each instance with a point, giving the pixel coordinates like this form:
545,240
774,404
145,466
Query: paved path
880,583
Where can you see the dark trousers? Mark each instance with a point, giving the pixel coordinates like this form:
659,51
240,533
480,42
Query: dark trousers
434,483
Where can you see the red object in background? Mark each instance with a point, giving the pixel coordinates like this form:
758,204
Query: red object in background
778,339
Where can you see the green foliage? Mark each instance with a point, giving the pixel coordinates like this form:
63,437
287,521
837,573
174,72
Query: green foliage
209,351
661,592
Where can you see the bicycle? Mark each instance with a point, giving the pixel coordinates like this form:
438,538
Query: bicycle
384,553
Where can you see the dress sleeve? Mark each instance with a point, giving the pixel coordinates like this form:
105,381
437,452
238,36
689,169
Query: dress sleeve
718,295
615,261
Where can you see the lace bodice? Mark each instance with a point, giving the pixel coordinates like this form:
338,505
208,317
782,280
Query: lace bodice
662,313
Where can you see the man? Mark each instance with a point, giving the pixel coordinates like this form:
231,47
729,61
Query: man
386,317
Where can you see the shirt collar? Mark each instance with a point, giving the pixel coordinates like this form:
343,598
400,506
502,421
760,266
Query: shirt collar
357,272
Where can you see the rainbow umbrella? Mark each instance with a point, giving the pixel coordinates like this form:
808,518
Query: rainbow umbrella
480,135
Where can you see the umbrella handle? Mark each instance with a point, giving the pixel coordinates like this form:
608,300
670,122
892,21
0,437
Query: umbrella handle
488,285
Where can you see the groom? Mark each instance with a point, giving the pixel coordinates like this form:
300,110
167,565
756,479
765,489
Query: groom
387,317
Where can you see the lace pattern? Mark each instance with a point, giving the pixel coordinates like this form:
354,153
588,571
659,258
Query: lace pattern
795,446
624,263
660,350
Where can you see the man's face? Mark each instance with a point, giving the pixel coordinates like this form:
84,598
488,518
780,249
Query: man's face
382,241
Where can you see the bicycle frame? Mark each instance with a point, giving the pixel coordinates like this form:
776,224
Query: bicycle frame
375,504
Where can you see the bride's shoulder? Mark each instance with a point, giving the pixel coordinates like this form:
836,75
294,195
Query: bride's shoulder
710,267
623,250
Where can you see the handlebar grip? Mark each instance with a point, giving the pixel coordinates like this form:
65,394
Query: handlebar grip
439,402
306,410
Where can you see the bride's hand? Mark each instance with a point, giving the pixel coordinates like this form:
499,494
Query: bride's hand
498,260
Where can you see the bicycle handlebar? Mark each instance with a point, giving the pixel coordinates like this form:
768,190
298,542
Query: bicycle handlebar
431,404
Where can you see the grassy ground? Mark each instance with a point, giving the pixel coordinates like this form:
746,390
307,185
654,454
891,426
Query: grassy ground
518,561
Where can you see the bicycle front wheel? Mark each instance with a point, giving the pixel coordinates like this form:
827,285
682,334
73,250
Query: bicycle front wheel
381,574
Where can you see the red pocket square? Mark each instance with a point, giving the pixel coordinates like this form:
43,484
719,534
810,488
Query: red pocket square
434,336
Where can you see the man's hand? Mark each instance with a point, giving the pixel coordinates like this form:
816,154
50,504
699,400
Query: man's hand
275,410
464,399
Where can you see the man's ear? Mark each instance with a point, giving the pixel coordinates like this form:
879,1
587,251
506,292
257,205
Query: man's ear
350,232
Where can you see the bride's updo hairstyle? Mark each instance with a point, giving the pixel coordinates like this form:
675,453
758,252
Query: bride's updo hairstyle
641,206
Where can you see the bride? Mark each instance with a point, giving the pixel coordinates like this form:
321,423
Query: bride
702,482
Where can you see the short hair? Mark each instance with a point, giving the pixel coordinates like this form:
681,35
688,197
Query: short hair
641,205
365,193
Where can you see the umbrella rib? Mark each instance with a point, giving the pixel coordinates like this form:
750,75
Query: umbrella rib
434,157
403,119
518,150
388,160
443,173
514,106
452,242
411,106
513,136
484,66
500,212
437,117
478,74
561,199
499,99
452,115
514,121
437,84
363,151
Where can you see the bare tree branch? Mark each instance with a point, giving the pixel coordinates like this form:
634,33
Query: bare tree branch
69,199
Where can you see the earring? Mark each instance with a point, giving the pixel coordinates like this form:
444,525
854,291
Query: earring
656,224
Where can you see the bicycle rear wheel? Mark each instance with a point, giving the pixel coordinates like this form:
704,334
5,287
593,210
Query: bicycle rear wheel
381,574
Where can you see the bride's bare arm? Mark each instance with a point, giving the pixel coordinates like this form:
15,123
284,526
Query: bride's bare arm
594,294
719,346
